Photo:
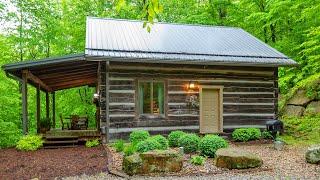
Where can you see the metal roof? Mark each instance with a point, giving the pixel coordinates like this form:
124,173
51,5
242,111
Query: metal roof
126,40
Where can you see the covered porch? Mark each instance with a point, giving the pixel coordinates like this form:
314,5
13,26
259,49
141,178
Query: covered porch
49,76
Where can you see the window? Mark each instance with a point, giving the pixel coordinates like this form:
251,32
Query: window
151,97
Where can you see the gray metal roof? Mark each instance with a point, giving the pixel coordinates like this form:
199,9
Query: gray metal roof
126,40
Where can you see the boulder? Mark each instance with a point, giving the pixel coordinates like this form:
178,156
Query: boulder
313,155
293,111
313,108
233,158
132,164
299,99
153,162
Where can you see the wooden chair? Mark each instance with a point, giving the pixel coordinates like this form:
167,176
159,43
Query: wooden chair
63,124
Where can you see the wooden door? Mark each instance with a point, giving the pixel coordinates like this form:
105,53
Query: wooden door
210,110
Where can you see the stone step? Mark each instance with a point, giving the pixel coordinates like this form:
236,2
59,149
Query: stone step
56,147
61,142
60,137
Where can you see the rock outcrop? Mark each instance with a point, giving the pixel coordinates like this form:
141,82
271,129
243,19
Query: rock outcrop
232,158
294,111
299,99
313,108
313,155
157,161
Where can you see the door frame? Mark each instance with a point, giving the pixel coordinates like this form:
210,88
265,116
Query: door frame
220,88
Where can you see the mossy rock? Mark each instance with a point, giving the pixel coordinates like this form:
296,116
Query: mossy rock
161,161
157,161
132,164
236,159
313,155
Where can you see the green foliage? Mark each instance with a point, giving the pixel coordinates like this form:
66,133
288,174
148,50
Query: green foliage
198,160
209,144
246,134
9,134
173,138
119,145
129,150
138,136
266,135
30,143
148,145
162,141
303,131
92,143
189,142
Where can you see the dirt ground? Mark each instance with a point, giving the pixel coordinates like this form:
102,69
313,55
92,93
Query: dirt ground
51,163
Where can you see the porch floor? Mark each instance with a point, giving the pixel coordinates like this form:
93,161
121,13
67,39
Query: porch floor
81,134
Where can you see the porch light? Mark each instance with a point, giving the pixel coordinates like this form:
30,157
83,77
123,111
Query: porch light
193,85
96,99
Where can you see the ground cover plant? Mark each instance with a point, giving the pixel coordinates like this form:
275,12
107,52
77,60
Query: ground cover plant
198,160
92,143
119,145
30,143
246,134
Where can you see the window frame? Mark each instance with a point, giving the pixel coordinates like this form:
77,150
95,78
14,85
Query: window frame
151,115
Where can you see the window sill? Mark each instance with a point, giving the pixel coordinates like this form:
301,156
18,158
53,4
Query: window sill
152,116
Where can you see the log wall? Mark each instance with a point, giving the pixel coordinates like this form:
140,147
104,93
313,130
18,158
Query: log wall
249,96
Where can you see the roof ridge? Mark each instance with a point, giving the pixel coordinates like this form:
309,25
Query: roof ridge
167,23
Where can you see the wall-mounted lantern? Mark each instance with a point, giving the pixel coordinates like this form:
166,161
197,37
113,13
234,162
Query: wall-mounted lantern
96,99
192,86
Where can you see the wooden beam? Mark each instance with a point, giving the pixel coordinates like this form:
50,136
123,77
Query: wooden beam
70,79
36,80
62,68
53,110
38,109
83,83
45,77
24,103
47,106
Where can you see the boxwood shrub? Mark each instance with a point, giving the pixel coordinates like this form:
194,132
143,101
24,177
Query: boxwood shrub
162,141
173,138
129,150
147,145
246,134
189,142
119,145
209,144
30,143
138,136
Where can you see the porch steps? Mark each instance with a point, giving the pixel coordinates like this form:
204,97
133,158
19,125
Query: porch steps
51,142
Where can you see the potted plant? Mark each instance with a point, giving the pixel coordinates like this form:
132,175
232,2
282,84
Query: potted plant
44,125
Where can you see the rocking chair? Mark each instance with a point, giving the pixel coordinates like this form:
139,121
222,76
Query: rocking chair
64,125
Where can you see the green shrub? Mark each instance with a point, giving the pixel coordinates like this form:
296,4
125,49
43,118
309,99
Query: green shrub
198,160
254,133
30,143
189,142
119,145
148,145
138,136
162,141
209,144
92,143
246,134
9,134
129,150
266,135
173,138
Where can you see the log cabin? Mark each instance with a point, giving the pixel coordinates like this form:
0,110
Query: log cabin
205,79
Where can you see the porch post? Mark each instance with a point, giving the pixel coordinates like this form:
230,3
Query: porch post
47,106
107,101
53,110
38,109
24,103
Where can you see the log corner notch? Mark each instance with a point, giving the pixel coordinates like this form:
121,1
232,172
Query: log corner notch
36,80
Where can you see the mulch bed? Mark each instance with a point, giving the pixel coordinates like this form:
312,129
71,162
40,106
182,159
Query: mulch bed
51,163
